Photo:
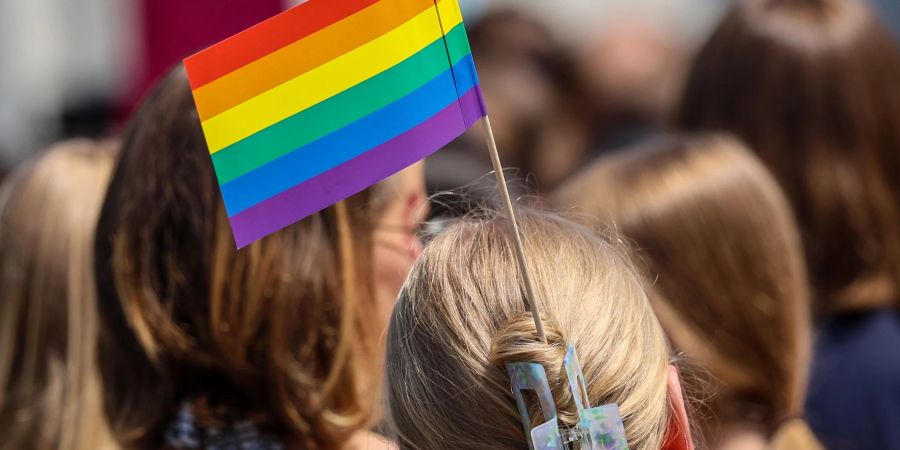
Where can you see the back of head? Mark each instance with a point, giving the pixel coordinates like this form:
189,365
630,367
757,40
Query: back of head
275,332
49,387
812,86
461,318
717,236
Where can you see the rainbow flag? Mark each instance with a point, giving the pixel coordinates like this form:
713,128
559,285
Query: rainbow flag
328,98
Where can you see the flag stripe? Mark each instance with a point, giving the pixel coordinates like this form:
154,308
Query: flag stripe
458,44
323,82
352,177
343,145
340,110
267,37
304,55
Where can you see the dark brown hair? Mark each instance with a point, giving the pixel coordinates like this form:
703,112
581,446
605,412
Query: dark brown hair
814,87
729,281
275,331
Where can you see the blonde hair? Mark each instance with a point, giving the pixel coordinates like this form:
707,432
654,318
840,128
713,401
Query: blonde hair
718,236
461,317
49,388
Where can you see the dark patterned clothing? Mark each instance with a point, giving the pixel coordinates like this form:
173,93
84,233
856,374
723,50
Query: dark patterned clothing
195,428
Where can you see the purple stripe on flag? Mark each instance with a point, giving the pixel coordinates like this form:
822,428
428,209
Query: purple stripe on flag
357,174
472,105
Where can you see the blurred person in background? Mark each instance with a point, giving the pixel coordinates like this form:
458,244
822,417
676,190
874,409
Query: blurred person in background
278,345
50,396
535,99
633,70
717,238
535,93
814,87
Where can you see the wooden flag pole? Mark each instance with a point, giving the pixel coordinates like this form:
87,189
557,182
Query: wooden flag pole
533,302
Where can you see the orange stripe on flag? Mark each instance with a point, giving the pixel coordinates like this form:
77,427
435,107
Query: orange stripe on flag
267,37
304,55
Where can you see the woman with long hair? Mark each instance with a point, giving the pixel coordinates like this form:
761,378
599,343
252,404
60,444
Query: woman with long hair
50,396
277,345
716,235
813,86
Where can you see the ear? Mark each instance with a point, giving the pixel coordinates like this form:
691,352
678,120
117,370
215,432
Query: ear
678,436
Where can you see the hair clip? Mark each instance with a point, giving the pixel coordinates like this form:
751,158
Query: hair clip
599,428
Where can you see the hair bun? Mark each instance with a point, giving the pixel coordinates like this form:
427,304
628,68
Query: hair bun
517,341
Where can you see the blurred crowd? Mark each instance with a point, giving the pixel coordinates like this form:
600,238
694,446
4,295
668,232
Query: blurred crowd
709,194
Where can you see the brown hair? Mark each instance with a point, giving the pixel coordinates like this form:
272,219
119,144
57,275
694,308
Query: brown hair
814,87
461,317
49,383
278,330
718,238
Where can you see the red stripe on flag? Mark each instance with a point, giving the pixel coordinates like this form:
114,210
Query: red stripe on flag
267,37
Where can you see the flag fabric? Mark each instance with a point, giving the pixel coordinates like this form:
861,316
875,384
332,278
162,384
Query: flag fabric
326,99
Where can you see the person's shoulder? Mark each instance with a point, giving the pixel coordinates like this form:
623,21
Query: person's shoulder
857,356
861,340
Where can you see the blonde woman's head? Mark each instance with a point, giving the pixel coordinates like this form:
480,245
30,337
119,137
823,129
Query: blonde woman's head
461,318
49,388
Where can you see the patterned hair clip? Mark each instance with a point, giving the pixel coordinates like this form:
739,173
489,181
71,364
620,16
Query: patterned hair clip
598,428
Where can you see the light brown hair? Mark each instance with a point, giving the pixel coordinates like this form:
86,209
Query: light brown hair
461,317
278,331
813,86
49,382
718,238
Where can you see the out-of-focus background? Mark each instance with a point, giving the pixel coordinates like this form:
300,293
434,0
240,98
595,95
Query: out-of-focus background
606,70
565,82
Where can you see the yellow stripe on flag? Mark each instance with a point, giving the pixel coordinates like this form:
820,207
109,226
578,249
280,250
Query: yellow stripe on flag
329,79
450,13
305,54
